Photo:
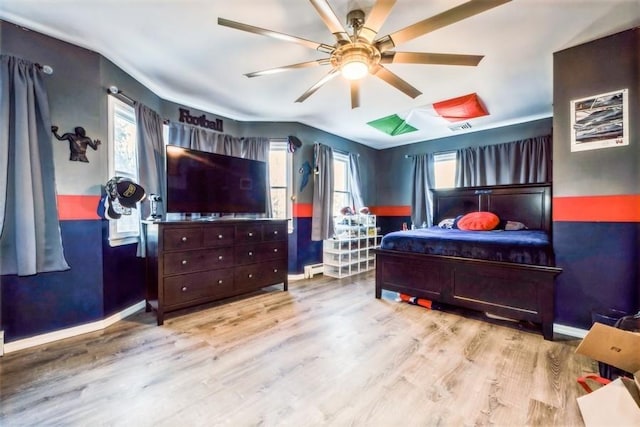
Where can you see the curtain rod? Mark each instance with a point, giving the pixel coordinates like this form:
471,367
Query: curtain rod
409,156
113,90
47,69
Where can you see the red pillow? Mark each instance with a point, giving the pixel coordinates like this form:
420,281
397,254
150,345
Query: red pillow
479,221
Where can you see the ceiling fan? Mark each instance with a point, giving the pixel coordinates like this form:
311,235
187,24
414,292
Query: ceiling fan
360,53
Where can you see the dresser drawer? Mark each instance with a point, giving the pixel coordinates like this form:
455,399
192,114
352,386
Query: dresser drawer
256,276
219,235
272,232
198,286
248,254
197,260
246,233
182,238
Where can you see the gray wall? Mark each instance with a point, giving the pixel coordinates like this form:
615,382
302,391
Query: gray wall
601,66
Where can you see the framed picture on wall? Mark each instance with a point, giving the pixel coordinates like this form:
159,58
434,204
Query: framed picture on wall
600,121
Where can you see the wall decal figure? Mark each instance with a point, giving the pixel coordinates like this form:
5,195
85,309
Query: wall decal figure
78,142
305,171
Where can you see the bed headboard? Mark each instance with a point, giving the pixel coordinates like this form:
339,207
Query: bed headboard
526,203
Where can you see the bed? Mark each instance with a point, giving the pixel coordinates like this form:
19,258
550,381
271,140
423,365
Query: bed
503,278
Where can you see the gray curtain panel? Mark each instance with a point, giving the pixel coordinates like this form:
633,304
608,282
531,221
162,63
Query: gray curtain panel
421,195
254,148
519,162
150,162
322,217
202,139
30,240
354,182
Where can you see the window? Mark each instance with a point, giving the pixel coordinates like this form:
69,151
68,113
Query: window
341,193
280,179
444,165
123,162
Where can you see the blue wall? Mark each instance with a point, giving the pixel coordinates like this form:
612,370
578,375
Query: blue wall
46,302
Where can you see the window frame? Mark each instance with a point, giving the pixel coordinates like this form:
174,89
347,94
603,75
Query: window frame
342,158
278,144
116,236
446,156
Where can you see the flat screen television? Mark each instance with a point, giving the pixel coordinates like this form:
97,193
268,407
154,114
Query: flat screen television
208,183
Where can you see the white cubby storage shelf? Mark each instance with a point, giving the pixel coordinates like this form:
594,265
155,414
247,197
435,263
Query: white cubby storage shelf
350,252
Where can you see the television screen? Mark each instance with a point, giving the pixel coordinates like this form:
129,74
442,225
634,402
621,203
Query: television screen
202,182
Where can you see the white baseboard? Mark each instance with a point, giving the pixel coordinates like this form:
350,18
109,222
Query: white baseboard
569,331
72,332
293,277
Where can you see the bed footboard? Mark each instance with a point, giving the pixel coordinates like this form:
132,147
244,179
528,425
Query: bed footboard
515,291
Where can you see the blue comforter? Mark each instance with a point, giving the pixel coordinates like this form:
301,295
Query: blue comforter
521,246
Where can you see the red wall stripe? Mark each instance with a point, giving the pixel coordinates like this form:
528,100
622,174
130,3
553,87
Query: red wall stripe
621,208
391,210
77,207
302,210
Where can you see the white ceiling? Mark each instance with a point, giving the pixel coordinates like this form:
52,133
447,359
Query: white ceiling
177,49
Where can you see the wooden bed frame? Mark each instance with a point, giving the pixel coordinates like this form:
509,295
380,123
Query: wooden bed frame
516,291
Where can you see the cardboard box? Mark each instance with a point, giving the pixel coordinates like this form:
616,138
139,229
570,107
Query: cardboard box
617,403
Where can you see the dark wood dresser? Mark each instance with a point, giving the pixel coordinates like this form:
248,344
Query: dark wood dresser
194,262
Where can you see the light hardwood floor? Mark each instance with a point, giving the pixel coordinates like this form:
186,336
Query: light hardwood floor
325,353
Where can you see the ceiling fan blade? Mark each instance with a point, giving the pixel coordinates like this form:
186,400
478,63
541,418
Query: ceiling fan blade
430,58
376,18
395,81
443,19
331,20
355,93
325,61
276,35
332,74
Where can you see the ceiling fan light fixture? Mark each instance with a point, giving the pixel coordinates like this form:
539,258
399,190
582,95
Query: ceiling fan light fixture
354,68
354,60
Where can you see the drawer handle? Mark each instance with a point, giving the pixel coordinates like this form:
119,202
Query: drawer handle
275,270
275,250
220,257
250,253
184,289
184,238
250,276
184,262
220,282
250,234
220,236
275,232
